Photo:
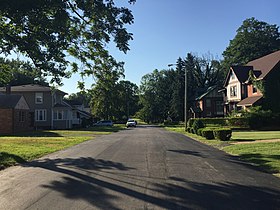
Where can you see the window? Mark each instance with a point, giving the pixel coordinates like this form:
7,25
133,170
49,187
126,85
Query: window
219,108
255,89
233,91
40,115
38,98
21,116
60,115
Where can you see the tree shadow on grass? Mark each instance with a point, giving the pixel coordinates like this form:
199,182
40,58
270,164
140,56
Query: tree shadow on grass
7,159
262,161
41,133
95,181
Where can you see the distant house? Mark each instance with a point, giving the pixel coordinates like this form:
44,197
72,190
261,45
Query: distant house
46,105
241,92
14,114
208,104
80,113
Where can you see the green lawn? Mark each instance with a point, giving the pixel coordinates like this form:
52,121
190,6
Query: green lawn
266,155
28,146
255,135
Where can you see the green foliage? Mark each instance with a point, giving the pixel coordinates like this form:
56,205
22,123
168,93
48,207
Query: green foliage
52,33
254,39
199,131
241,122
16,72
208,121
207,133
197,124
224,134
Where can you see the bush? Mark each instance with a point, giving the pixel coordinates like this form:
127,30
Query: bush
207,133
192,131
199,131
223,134
189,129
241,122
197,124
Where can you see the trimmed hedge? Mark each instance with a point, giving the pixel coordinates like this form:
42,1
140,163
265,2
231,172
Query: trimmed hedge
223,134
238,122
207,121
208,133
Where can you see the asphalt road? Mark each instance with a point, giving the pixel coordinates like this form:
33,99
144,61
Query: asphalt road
138,168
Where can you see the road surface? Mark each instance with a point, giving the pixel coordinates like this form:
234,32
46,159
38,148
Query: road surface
138,168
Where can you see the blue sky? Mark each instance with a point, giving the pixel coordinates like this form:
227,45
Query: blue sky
165,30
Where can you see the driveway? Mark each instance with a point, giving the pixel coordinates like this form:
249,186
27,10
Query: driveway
139,168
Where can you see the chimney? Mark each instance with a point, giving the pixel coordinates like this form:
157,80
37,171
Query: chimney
8,89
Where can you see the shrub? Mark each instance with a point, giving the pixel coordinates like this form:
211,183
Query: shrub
197,124
192,131
188,130
224,134
207,133
238,122
199,131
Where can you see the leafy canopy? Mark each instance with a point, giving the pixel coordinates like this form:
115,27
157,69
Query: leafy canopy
57,33
254,39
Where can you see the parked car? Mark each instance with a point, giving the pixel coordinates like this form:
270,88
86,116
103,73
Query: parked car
104,123
131,123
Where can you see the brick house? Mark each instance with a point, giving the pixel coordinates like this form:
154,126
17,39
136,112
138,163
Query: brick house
14,114
46,105
241,92
208,104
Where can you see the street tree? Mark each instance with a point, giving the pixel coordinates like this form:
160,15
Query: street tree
62,33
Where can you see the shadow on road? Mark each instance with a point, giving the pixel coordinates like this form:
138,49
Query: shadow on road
94,180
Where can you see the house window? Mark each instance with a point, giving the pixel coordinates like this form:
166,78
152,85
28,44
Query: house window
21,116
38,98
60,115
233,91
40,115
255,89
219,108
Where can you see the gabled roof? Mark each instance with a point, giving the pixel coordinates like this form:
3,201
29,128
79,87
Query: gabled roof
206,92
241,73
266,63
30,88
9,101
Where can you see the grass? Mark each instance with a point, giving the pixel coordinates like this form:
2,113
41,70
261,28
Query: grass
266,155
28,146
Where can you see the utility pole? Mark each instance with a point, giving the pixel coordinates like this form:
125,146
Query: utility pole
186,96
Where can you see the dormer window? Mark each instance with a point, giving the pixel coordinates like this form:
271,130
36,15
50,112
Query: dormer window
38,98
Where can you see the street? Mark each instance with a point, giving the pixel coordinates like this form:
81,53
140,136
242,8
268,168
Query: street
139,168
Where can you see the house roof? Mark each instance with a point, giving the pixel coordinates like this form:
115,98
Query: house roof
266,63
249,101
9,101
30,88
206,92
241,73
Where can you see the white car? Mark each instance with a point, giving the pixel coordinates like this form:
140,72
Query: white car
131,123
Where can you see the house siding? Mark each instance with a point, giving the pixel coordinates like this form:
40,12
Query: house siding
6,121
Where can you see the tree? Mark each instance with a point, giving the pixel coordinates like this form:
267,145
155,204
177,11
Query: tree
56,34
15,72
128,99
254,39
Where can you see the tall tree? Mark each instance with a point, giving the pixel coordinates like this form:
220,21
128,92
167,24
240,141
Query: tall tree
254,39
52,33
15,72
128,99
